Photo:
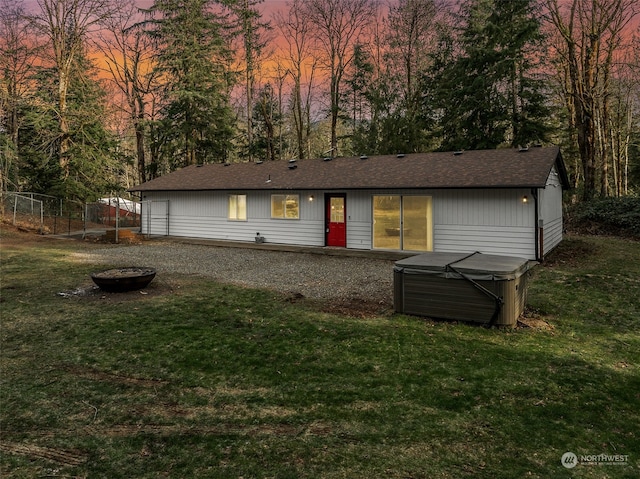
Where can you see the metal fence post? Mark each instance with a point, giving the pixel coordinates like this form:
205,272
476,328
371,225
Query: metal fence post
117,219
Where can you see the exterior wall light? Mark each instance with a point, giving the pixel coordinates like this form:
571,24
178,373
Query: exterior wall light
525,199
311,198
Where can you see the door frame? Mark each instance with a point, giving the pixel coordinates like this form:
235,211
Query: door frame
402,223
327,203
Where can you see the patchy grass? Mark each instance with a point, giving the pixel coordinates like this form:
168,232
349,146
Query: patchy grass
201,379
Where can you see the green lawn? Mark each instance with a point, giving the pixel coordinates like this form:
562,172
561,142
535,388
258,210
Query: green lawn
200,379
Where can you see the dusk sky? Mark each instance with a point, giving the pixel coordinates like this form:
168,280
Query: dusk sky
267,6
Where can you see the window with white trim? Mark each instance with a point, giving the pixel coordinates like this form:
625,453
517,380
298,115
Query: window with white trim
285,207
238,207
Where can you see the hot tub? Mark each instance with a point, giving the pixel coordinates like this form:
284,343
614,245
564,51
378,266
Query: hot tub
475,287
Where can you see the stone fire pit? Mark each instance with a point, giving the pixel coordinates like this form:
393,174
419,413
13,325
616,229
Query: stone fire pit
123,279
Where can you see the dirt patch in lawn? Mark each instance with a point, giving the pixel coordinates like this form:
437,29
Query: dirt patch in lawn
357,308
88,291
534,319
570,252
59,456
96,375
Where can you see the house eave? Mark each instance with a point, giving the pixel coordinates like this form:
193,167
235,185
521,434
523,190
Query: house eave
363,188
481,169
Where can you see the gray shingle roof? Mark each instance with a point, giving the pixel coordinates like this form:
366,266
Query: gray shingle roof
502,168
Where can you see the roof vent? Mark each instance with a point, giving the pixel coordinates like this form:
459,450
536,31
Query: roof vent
292,166
259,162
457,153
400,155
328,158
199,166
268,179
364,157
523,149
227,164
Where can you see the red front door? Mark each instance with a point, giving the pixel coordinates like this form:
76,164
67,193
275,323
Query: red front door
336,220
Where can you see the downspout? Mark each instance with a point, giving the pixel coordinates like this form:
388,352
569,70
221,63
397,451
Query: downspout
536,219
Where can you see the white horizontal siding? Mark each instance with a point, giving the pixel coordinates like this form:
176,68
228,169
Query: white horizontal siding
502,240
359,219
285,232
204,215
554,178
483,208
154,217
358,235
490,221
552,235
550,215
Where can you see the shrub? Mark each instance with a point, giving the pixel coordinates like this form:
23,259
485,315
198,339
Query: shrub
619,216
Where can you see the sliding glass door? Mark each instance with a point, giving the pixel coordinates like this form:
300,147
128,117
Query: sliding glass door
386,222
417,223
402,223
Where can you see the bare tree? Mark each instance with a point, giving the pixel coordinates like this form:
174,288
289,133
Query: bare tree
410,30
624,115
68,25
17,56
295,29
591,33
253,34
128,51
337,27
279,76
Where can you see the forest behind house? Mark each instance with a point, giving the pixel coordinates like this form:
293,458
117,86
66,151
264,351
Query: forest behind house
99,95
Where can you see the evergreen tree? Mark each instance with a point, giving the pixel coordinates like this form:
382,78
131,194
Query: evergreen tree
251,30
265,118
434,88
67,26
93,167
357,114
17,62
386,84
196,125
489,95
383,122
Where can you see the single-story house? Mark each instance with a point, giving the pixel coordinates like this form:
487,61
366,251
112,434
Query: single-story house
505,201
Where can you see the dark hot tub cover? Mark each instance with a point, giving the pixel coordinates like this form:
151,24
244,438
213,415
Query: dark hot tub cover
475,266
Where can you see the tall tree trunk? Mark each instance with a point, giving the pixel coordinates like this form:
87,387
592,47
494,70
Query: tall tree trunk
335,111
267,114
65,141
298,118
337,25
67,24
592,34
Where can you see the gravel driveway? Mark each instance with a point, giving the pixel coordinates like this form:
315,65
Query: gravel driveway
314,276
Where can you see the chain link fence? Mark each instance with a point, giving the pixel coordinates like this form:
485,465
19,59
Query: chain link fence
50,215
